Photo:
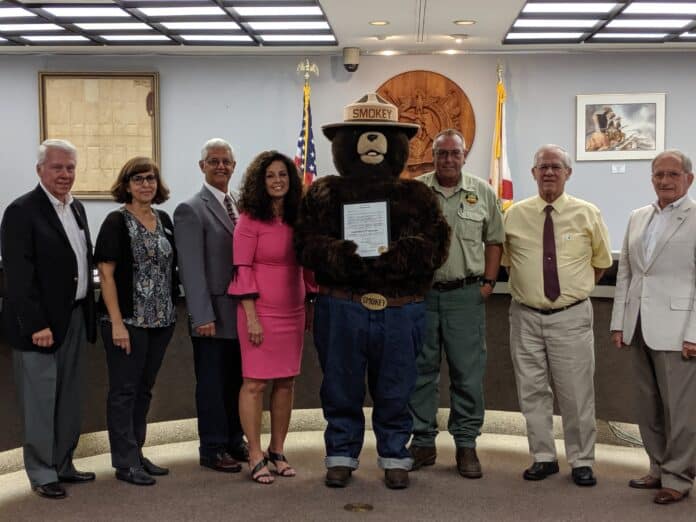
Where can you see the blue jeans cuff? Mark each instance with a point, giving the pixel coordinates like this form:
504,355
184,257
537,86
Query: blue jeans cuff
386,463
337,460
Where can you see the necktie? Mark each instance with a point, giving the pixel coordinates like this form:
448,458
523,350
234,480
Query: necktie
552,288
230,210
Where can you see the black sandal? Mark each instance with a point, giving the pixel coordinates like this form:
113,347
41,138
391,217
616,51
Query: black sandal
288,471
257,476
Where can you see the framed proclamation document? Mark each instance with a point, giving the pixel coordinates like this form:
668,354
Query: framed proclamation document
367,224
109,117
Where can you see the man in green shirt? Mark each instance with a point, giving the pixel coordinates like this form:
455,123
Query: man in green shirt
456,313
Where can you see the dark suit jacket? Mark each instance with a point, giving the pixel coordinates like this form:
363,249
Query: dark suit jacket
41,271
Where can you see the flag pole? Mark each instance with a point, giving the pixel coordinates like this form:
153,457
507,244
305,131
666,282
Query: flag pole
307,69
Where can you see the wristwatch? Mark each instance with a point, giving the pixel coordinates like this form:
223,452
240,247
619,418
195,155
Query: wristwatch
488,282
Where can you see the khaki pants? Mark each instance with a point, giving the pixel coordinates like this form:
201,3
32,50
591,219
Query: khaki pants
558,346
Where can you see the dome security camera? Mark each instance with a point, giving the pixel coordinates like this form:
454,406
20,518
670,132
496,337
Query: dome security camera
351,58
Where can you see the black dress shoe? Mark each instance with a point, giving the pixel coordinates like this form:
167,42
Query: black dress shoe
583,476
135,476
221,462
78,476
50,490
540,470
240,453
153,469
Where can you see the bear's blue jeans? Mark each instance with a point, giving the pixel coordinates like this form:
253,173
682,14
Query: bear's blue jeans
351,340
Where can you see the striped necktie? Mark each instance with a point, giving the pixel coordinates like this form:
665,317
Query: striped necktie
230,210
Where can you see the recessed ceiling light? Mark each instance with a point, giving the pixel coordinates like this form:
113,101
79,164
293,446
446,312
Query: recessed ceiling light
156,12
387,52
464,22
543,36
134,37
15,12
279,11
569,7
660,8
379,22
29,27
56,38
297,37
652,23
459,38
531,22
200,25
450,51
301,26
128,26
216,37
86,12
629,36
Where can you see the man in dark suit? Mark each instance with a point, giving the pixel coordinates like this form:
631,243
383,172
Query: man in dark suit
49,312
203,228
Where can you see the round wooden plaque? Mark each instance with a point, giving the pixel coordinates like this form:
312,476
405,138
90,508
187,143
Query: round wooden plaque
434,102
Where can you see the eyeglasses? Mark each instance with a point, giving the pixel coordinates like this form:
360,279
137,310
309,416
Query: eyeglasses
442,154
555,167
214,162
139,179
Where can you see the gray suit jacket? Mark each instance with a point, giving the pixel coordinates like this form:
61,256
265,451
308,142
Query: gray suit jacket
661,288
203,233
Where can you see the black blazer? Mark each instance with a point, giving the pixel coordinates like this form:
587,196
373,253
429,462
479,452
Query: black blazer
41,271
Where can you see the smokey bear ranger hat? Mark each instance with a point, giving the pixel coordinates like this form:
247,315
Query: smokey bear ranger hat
370,111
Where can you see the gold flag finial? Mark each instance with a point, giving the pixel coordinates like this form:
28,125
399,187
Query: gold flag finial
307,68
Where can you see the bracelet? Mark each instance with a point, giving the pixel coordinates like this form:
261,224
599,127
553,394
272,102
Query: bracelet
490,282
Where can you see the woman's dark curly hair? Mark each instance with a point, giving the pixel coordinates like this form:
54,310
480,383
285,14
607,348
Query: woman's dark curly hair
255,200
138,165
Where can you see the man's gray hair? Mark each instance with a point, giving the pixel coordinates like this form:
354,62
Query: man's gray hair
685,160
565,157
63,145
216,143
451,133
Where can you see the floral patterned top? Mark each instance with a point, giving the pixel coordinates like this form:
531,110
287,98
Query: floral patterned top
153,255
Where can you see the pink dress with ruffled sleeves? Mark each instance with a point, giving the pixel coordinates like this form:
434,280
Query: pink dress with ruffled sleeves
267,269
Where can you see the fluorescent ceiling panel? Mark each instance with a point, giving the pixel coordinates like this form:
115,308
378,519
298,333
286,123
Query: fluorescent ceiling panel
687,35
134,37
297,38
216,37
56,38
530,22
15,12
629,36
128,26
2,39
157,12
86,12
667,8
279,11
569,7
649,24
289,26
29,27
543,36
200,25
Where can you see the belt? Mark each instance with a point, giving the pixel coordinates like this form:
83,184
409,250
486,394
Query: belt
371,301
444,286
78,303
550,311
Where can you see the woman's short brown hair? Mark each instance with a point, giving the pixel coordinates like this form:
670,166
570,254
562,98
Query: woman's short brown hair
134,166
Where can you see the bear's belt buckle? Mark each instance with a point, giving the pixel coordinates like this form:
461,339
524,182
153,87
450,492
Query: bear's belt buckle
373,301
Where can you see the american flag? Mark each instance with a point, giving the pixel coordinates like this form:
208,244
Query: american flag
500,177
306,156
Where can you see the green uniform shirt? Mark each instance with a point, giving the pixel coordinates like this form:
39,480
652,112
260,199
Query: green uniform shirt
473,214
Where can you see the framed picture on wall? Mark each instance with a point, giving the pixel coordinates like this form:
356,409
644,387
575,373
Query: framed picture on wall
620,126
109,117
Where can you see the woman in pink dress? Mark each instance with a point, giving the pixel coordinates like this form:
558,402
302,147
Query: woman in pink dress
273,312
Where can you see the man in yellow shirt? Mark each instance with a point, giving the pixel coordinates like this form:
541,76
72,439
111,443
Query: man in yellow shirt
556,249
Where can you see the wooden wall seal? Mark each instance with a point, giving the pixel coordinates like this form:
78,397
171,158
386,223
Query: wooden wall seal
434,102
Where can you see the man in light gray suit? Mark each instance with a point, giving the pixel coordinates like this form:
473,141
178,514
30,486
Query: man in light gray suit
654,312
203,228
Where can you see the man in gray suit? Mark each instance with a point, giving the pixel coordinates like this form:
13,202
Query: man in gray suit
654,312
203,227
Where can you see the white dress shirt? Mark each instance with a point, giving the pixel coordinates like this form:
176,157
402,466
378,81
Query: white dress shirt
220,196
658,223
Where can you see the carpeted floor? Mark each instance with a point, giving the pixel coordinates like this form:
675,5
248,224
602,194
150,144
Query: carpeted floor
192,493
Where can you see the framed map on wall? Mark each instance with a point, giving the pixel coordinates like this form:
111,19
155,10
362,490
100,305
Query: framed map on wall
109,117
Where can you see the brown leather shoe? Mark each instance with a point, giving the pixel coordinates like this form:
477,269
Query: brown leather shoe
338,476
670,496
422,456
221,461
396,478
468,464
646,482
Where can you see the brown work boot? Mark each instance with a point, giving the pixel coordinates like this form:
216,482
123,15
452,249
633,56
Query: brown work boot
396,478
468,464
422,456
338,476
